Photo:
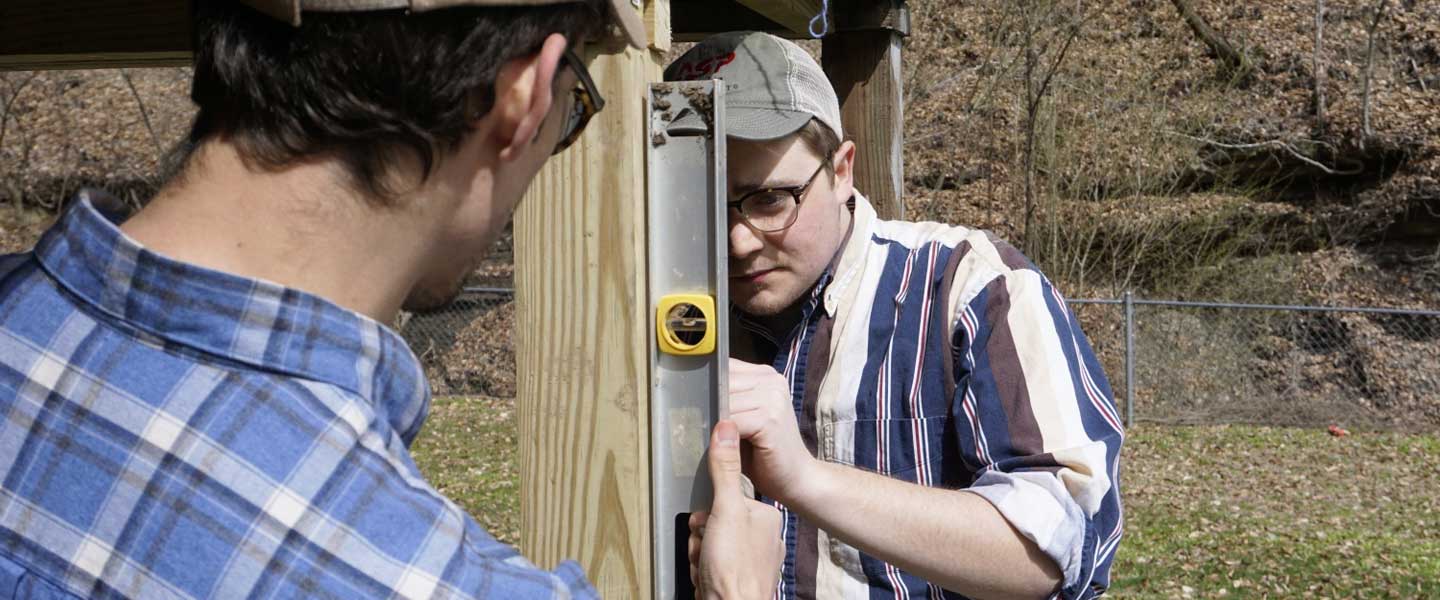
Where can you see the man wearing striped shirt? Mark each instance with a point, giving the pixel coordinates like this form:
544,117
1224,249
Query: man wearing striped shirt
925,408
203,400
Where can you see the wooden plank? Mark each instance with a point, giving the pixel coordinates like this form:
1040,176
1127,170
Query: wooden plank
65,34
864,67
657,25
583,342
794,15
114,60
695,20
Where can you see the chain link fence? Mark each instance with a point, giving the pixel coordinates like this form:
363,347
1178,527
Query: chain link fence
467,347
1168,362
1201,362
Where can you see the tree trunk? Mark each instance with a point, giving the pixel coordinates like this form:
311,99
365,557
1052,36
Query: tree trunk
1318,66
1031,106
1365,131
1230,58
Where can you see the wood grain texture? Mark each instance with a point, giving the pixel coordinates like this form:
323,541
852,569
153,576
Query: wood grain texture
794,15
582,343
864,68
657,25
64,34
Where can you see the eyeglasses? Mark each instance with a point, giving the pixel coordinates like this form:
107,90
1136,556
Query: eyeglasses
587,103
773,209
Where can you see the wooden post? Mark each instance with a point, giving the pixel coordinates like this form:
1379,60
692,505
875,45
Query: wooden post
863,63
582,342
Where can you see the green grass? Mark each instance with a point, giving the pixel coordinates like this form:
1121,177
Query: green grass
468,452
1222,511
1276,512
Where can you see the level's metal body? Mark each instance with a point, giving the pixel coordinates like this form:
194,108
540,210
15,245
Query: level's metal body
687,229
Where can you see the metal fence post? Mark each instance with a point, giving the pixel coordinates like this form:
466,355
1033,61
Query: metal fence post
1129,360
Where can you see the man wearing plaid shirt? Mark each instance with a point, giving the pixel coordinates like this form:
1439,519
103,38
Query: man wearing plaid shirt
925,407
203,401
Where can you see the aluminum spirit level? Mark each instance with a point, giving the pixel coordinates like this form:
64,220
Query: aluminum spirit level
689,294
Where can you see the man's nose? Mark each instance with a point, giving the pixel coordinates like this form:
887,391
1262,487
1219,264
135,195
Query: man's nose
744,241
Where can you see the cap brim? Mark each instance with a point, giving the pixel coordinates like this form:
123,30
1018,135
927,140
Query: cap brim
630,24
753,124
760,124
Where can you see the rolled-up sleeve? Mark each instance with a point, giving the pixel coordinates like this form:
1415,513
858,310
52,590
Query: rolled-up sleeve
1037,425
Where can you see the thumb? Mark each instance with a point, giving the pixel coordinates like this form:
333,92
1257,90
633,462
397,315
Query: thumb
725,466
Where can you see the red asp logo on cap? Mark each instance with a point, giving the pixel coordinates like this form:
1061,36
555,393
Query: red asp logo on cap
703,68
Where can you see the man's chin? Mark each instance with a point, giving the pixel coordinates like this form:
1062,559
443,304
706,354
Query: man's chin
759,305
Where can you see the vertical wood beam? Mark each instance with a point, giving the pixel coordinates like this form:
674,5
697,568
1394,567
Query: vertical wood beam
657,25
582,342
864,68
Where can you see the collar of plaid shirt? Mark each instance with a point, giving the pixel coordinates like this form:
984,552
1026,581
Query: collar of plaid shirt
256,323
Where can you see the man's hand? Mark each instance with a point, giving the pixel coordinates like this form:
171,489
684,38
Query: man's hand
735,549
760,404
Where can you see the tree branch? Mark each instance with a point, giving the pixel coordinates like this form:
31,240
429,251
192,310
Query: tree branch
9,102
1229,57
1289,149
1318,66
144,114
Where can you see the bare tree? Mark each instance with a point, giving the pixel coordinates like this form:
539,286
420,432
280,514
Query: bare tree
1037,84
1231,59
12,186
10,102
144,113
1365,131
1318,66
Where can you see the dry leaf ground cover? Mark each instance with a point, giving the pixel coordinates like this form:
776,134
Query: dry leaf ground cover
1221,511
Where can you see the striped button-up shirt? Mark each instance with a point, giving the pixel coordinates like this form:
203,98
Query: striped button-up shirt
940,356
176,432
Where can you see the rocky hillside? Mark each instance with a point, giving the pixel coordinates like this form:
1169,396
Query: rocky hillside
1155,165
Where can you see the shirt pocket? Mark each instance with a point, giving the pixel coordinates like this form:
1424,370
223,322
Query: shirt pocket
896,448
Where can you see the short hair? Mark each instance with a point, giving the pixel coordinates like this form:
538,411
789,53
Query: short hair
367,88
821,140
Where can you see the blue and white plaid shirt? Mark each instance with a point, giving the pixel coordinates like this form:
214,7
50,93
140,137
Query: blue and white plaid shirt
175,432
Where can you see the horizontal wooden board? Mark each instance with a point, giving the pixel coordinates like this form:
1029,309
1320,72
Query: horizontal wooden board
59,34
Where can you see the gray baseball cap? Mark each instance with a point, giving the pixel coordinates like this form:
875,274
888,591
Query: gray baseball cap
772,86
626,12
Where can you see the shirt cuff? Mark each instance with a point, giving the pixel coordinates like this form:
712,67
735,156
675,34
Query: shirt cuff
1039,507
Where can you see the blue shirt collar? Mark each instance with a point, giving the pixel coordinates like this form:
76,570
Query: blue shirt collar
256,323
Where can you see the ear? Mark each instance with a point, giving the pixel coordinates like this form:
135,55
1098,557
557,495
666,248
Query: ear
844,163
524,94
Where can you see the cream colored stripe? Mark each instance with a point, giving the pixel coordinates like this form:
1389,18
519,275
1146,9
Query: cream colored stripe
1052,391
838,573
1042,359
977,269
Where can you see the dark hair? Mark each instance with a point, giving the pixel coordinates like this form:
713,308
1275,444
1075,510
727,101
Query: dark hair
822,141
368,88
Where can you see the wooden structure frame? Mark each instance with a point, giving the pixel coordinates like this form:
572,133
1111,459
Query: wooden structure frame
580,246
